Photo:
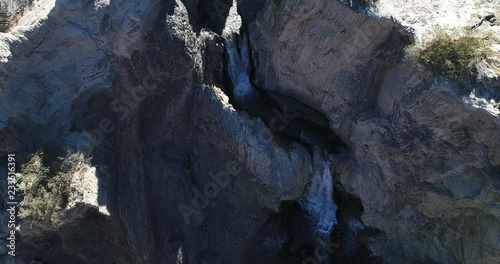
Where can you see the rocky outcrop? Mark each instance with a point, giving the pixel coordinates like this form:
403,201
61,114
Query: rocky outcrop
301,51
425,161
132,85
477,17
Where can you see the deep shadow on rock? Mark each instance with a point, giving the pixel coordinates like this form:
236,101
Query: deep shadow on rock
84,236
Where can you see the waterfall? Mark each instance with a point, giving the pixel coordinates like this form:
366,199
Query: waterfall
319,201
239,67
238,58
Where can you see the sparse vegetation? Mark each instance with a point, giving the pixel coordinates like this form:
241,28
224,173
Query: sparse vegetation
454,58
45,190
5,18
11,12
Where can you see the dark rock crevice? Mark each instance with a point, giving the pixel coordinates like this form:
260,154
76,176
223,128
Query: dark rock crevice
282,114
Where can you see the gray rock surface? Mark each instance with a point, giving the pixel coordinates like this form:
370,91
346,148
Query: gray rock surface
425,162
123,82
140,87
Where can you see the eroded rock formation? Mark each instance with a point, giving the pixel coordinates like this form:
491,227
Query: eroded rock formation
425,163
188,177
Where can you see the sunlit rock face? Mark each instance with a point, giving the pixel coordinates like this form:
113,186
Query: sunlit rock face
305,52
457,18
425,160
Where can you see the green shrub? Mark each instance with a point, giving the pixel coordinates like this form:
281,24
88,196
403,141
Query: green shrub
45,190
454,58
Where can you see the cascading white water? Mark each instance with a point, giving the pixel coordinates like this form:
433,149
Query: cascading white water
319,201
239,68
239,59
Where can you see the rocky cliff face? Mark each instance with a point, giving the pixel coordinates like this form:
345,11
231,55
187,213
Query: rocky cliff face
189,175
425,161
186,174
